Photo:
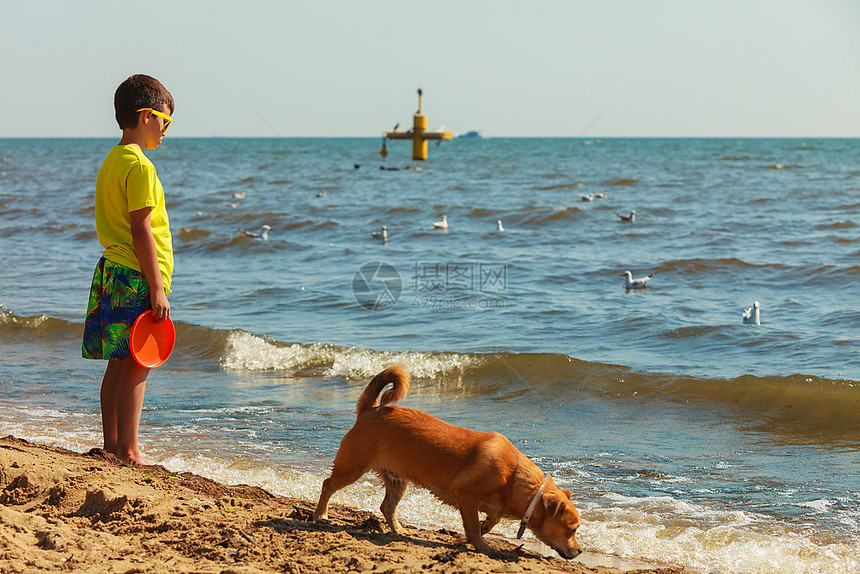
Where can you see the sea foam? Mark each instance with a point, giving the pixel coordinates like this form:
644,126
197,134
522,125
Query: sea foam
249,352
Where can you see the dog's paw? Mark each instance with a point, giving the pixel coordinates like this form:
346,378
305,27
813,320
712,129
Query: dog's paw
488,525
486,549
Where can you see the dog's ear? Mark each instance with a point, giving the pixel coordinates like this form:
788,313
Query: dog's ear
567,493
553,504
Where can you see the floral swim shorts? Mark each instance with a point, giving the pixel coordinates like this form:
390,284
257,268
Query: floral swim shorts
117,296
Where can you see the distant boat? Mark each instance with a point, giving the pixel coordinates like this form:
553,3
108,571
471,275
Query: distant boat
473,135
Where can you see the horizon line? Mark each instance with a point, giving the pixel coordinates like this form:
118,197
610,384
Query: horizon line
592,138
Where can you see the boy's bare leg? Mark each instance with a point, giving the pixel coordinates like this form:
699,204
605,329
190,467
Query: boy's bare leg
108,403
129,405
123,389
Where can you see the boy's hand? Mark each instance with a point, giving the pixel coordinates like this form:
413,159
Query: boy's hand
160,305
144,246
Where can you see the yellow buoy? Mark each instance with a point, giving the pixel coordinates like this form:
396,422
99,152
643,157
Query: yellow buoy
419,134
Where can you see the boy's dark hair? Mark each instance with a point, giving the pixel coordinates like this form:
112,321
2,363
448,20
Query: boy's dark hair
139,91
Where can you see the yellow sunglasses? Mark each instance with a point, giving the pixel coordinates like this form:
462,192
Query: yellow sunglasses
167,119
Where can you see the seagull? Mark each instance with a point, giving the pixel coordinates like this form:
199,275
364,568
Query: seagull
589,197
233,204
751,314
239,195
499,225
264,233
638,283
441,224
599,195
381,234
628,218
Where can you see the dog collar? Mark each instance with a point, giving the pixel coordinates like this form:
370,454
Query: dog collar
530,510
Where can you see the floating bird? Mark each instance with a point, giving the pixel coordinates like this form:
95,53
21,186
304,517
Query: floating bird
586,197
441,224
381,234
321,194
499,225
264,233
752,315
238,195
599,195
234,204
638,283
628,218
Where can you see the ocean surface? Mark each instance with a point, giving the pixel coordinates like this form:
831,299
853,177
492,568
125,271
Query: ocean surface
688,437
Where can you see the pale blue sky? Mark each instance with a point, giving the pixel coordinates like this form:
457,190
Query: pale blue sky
732,68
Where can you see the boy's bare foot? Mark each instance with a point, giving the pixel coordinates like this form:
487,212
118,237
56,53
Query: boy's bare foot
136,459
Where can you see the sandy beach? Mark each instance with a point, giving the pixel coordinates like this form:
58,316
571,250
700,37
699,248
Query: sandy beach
66,511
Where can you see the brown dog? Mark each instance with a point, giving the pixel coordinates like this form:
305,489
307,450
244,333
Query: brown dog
472,471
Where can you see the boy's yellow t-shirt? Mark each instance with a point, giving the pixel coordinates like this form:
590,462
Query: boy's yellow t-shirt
127,182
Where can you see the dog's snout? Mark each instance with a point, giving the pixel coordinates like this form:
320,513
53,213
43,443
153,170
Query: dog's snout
571,553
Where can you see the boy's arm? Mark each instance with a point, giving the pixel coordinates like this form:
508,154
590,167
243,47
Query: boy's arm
144,245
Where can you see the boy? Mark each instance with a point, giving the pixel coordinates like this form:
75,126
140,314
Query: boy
134,272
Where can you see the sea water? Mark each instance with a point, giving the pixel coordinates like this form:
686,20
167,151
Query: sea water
687,437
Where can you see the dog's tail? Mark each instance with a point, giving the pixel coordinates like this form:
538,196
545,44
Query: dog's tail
397,376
